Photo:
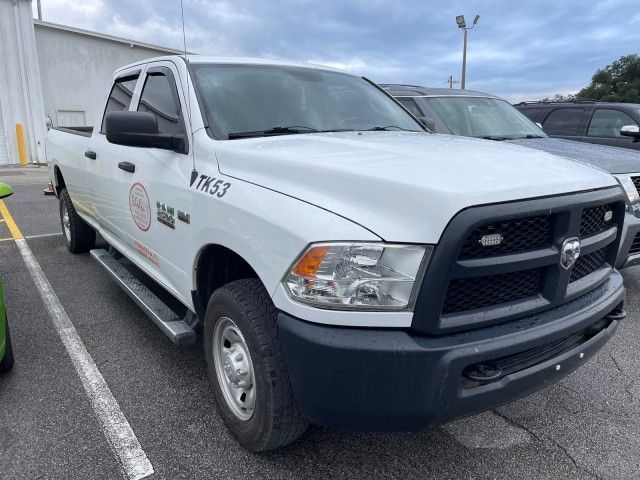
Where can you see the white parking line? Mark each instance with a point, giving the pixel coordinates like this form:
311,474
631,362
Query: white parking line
115,426
43,235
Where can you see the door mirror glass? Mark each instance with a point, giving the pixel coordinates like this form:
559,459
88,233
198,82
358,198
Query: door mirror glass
140,129
5,190
428,122
631,131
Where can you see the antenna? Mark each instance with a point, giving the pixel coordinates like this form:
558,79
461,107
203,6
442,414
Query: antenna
186,61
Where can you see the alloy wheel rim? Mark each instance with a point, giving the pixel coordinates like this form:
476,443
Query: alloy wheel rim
234,368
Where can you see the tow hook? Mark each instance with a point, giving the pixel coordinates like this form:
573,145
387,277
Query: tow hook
482,372
618,314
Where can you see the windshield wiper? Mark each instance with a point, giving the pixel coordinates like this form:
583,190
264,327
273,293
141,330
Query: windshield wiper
496,138
532,136
388,128
272,131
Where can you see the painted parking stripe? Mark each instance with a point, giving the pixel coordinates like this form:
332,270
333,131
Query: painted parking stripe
116,428
11,225
42,235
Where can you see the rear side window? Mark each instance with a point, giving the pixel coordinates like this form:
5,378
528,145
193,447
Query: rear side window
564,121
607,123
411,105
531,113
120,96
160,97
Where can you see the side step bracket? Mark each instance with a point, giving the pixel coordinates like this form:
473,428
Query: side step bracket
173,326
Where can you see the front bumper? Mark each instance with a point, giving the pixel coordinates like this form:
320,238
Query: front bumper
630,229
391,380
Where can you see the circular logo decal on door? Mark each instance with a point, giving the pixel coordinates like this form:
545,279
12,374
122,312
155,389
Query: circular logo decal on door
140,207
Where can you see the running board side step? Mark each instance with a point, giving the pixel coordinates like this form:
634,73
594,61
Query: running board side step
173,326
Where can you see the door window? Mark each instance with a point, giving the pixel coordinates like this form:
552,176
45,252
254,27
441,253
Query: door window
607,123
564,121
411,105
160,97
120,96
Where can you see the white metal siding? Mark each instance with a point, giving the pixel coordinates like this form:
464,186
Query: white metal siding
4,151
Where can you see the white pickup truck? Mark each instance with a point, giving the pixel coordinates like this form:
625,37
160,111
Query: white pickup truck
345,266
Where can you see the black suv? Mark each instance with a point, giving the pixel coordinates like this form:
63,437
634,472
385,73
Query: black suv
587,121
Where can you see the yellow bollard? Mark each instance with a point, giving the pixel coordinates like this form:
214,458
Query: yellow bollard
22,146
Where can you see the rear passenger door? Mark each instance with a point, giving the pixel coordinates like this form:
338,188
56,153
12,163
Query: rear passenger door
604,128
566,123
101,162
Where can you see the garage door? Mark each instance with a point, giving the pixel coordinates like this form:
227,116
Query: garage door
4,155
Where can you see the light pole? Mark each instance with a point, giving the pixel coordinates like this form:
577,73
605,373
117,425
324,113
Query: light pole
462,24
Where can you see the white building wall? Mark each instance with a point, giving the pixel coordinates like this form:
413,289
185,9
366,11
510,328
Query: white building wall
76,67
20,92
55,71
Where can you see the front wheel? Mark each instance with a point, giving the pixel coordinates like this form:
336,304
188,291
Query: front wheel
78,235
246,366
7,361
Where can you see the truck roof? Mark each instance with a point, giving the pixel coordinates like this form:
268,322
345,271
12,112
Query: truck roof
418,91
197,59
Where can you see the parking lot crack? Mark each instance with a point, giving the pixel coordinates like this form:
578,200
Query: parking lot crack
615,362
546,438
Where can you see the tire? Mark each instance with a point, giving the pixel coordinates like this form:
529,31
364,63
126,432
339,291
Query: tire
7,362
275,420
78,235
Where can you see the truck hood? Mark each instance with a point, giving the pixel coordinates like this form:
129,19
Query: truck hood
611,159
402,186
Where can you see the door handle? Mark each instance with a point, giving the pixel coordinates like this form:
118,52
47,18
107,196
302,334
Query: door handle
91,154
127,167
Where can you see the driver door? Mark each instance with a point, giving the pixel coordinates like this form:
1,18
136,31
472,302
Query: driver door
153,185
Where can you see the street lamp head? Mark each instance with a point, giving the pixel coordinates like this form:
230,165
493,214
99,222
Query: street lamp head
460,21
475,20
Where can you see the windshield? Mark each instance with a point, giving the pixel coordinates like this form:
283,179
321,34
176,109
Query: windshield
258,100
484,117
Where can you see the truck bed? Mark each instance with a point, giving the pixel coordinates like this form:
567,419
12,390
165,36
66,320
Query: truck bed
84,131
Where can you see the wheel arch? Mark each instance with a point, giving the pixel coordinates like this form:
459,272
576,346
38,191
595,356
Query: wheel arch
58,180
215,266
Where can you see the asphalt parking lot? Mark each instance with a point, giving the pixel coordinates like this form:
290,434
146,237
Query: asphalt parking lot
585,426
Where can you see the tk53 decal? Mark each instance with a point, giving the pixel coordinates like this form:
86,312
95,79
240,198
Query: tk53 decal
208,184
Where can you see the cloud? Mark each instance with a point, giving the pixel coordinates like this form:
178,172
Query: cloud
524,49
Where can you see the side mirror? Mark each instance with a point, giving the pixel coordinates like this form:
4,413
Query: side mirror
631,131
428,122
5,190
539,125
140,129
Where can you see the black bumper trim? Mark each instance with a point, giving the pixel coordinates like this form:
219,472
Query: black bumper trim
390,380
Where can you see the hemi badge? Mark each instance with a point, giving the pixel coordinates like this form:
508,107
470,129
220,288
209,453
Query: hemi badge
608,215
491,240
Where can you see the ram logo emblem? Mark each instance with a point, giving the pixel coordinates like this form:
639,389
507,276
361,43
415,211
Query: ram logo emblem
570,252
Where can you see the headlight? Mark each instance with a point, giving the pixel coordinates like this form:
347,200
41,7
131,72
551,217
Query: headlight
633,198
357,275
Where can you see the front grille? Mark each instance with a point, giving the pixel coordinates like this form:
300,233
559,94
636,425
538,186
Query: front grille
635,246
594,220
636,182
469,293
469,285
519,235
588,264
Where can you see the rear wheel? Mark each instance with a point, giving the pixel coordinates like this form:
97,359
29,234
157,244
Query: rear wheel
78,235
246,366
7,361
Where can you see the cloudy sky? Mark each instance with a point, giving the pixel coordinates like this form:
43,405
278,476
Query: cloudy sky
520,50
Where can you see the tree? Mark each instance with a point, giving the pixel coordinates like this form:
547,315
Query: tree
560,98
618,82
